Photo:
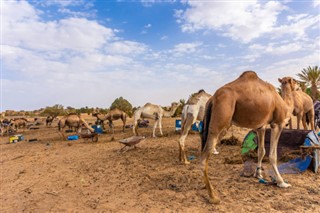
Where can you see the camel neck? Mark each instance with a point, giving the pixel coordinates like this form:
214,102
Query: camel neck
287,96
168,114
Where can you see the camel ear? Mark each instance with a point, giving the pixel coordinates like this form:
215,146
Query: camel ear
292,83
280,80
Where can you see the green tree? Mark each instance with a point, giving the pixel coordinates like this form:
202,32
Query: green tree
54,110
70,109
122,104
311,77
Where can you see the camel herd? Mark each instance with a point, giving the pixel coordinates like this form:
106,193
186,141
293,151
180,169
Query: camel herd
247,102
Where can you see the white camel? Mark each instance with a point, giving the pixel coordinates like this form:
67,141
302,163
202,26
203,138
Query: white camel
193,111
155,112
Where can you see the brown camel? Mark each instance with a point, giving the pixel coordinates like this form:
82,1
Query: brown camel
252,103
155,112
5,127
112,115
18,123
193,111
72,121
49,120
303,107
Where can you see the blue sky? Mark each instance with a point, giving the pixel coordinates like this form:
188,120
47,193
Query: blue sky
88,53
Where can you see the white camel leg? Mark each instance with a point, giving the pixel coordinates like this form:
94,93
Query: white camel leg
160,126
215,152
154,128
275,135
135,123
182,153
186,123
261,151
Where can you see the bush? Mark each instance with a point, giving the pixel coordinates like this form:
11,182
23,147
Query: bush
54,111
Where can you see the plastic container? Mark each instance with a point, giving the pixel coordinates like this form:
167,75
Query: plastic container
73,137
97,129
13,139
20,137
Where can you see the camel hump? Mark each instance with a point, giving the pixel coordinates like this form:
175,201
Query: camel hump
249,75
148,104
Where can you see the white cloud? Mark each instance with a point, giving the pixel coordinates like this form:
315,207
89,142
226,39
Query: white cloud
277,49
149,3
186,48
240,20
64,3
164,38
298,26
126,47
147,26
316,3
26,30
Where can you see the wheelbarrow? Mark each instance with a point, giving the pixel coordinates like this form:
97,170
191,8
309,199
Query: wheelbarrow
130,143
86,134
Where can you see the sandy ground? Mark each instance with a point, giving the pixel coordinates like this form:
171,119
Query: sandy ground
55,175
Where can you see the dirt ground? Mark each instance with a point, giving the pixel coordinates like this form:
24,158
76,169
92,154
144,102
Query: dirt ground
55,175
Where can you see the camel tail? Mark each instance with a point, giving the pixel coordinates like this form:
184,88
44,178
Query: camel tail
205,129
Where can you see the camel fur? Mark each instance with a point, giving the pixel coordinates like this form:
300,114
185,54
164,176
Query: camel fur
303,107
193,111
112,115
18,123
49,120
72,121
251,103
155,112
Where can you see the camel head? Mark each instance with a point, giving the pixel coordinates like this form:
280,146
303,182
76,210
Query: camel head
288,84
174,107
95,113
174,104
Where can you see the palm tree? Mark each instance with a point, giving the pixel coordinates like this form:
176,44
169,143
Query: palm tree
311,76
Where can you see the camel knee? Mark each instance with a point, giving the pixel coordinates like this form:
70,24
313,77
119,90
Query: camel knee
272,159
261,152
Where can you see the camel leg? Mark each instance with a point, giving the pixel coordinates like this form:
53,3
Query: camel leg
135,127
185,127
154,128
62,133
299,116
304,122
274,139
204,158
310,115
290,123
261,151
160,126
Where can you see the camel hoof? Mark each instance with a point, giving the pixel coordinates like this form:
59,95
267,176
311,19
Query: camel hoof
284,185
215,152
259,176
214,200
186,162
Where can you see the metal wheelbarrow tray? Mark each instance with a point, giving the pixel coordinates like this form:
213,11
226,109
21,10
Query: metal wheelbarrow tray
85,133
130,142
